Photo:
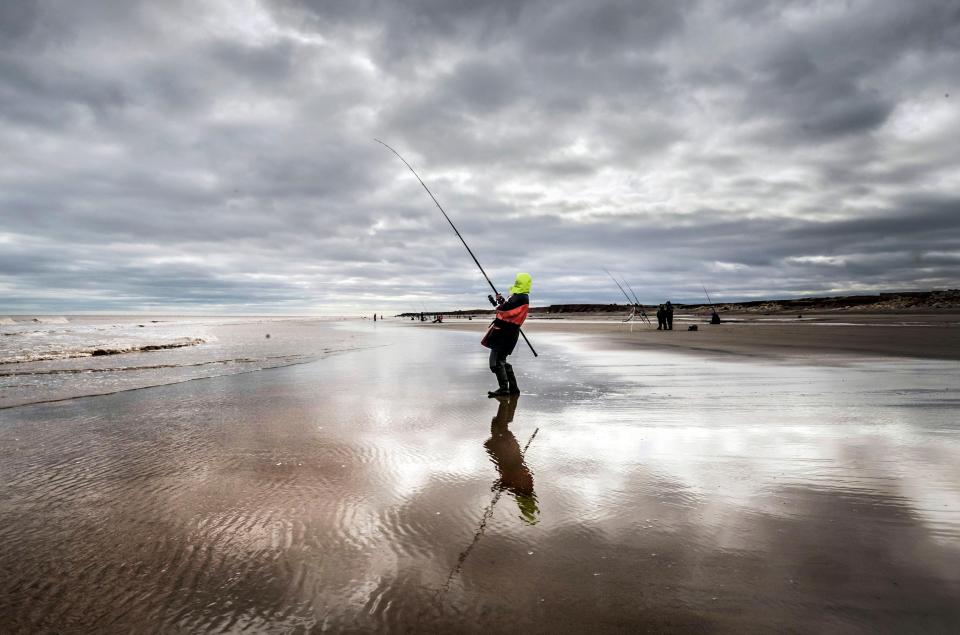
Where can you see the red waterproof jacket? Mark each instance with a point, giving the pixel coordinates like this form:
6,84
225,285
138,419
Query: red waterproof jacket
503,333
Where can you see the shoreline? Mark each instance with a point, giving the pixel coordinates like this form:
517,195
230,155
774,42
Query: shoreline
848,335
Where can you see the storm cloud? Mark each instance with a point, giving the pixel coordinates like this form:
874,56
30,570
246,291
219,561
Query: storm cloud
219,156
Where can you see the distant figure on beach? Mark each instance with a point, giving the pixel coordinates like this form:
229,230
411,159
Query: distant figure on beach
438,319
668,315
501,337
507,456
715,318
374,317
661,318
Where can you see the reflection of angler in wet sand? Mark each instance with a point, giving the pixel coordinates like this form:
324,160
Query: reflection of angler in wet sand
505,452
515,477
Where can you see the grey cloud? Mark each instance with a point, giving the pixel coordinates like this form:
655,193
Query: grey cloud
817,104
602,30
176,154
268,64
483,86
17,20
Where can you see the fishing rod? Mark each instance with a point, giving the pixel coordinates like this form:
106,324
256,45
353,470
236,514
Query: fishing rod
634,301
629,301
456,231
708,297
632,292
643,313
715,317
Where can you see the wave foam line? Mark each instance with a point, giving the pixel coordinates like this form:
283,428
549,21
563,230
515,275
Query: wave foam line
111,369
183,381
102,352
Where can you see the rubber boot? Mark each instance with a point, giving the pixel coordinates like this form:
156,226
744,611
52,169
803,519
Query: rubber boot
512,381
504,389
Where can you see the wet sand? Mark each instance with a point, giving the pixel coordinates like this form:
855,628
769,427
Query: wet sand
626,490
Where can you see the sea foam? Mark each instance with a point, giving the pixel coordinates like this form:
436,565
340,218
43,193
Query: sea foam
51,320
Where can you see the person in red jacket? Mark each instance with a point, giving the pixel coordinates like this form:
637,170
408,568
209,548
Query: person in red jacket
501,337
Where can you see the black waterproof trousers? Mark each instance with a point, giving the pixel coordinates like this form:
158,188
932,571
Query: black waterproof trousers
503,370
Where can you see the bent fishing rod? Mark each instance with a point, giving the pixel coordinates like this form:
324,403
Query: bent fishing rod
456,231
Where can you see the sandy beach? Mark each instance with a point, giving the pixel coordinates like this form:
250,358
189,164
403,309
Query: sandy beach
719,481
824,336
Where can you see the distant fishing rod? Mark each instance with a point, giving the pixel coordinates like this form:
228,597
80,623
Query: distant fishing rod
629,301
632,292
455,230
619,286
643,313
708,297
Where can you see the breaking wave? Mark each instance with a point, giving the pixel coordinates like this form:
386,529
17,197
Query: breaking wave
51,320
5,321
42,356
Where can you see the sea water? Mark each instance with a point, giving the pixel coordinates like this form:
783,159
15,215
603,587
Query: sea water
48,358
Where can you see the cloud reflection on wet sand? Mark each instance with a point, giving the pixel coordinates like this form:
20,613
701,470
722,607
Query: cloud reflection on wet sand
669,493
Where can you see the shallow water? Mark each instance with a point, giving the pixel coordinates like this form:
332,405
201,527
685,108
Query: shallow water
65,357
380,489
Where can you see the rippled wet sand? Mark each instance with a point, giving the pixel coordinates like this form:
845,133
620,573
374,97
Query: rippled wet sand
380,489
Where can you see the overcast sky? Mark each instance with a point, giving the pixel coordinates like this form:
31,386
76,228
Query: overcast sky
219,155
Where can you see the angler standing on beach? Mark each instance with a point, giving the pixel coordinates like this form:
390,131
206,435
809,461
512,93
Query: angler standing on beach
501,337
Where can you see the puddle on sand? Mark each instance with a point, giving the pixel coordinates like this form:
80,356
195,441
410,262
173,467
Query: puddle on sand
382,490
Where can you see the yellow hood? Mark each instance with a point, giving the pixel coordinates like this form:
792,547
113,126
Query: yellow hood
522,284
